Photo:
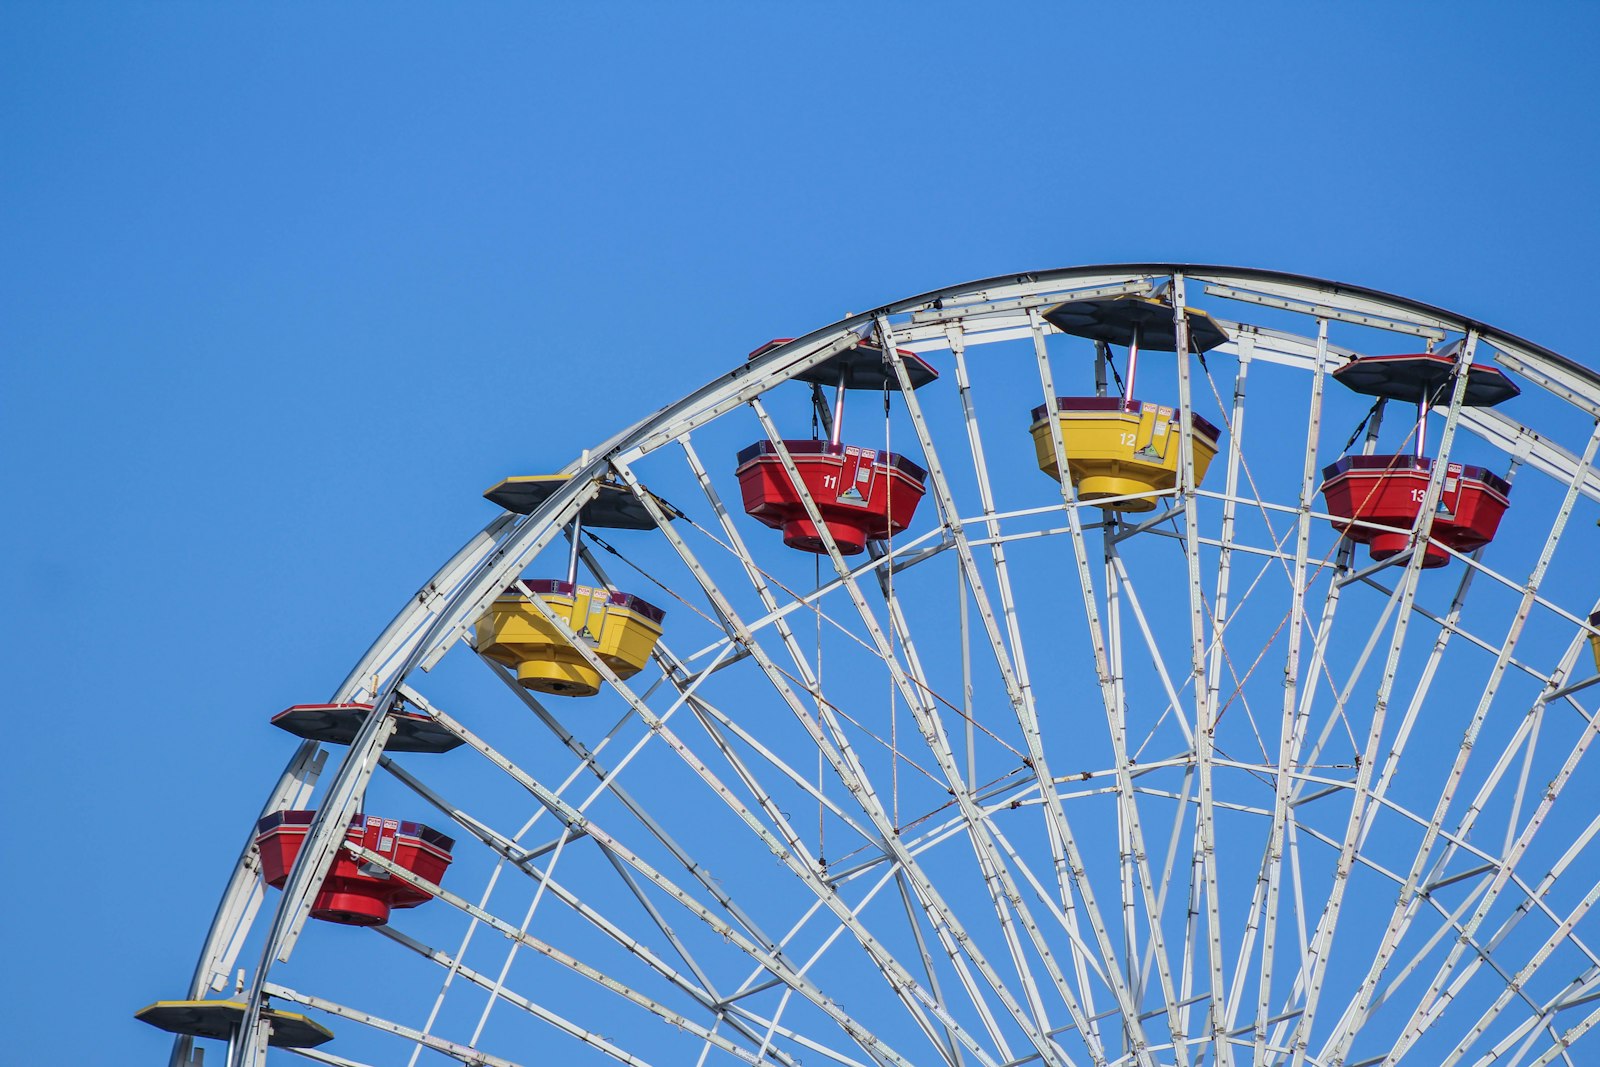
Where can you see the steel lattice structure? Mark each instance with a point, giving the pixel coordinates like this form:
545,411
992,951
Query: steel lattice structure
1032,782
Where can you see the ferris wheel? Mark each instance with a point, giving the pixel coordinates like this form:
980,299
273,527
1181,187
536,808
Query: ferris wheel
1144,664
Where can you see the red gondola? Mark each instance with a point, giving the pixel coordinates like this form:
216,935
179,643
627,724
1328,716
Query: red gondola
861,494
354,893
1388,490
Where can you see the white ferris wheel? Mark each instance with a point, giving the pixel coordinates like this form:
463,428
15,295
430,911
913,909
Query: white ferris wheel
1144,664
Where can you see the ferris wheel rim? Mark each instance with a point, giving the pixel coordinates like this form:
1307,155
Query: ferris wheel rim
784,363
771,368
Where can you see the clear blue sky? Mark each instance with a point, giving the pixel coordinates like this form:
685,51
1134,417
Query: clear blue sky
286,286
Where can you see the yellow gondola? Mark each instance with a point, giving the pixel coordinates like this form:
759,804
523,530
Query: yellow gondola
620,628
1117,449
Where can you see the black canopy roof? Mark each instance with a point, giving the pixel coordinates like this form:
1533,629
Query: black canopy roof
1419,376
337,724
1115,319
614,508
863,366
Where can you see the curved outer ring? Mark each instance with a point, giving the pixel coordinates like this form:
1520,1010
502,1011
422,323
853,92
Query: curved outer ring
440,613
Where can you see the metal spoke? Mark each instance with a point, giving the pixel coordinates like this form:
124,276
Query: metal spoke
856,782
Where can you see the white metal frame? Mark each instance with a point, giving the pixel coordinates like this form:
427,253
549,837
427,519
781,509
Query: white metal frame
1475,945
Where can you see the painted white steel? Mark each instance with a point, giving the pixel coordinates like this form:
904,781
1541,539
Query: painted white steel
1045,972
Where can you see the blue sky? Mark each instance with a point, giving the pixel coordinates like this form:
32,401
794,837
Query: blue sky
286,287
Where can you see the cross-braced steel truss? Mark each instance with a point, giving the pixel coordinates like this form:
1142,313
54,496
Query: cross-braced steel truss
1034,781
